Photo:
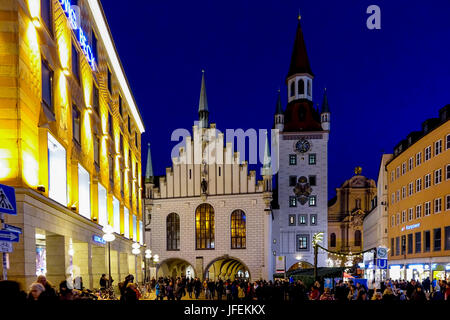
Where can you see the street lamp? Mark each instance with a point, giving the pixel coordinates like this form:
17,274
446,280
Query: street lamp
109,236
136,250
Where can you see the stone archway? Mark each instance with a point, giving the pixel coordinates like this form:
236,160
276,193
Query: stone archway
175,267
300,265
226,267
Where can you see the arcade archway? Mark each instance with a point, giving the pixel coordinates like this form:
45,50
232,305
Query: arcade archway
300,265
226,268
175,267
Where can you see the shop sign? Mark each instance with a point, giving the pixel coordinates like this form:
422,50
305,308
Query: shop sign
98,239
280,264
410,227
73,20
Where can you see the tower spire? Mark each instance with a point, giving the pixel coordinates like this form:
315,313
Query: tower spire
279,108
299,58
203,112
149,167
267,162
325,107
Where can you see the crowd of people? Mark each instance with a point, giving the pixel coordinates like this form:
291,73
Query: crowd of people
289,290
239,290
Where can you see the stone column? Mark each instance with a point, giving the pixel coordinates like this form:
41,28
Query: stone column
123,265
82,262
57,258
115,267
99,264
199,267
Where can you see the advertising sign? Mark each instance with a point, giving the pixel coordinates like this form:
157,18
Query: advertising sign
280,264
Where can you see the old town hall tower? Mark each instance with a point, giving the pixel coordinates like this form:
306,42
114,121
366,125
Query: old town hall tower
300,194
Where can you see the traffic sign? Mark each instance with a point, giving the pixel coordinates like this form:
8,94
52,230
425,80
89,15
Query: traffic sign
382,253
9,236
7,200
6,246
382,263
8,227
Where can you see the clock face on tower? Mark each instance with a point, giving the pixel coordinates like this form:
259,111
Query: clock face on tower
302,146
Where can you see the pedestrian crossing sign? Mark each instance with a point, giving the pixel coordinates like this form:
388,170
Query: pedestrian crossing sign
7,200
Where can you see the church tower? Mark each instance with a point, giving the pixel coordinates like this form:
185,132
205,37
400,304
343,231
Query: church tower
300,206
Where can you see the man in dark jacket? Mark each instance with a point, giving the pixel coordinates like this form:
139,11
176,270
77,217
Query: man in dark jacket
49,294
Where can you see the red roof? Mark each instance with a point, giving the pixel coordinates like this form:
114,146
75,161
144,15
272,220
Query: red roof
301,116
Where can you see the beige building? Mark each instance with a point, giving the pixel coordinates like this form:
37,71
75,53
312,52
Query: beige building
346,213
69,142
208,216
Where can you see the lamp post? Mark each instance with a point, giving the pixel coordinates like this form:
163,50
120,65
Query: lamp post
136,250
109,236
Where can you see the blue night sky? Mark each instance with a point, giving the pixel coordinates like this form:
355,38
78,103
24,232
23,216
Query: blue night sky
381,84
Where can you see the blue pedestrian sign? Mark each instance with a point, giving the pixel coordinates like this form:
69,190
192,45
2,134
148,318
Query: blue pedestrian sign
8,227
382,263
7,200
9,236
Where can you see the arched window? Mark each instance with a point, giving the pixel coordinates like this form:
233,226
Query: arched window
204,227
292,93
301,86
309,87
238,230
173,231
333,240
357,238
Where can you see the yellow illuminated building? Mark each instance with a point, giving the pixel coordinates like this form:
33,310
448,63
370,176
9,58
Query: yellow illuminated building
70,142
419,202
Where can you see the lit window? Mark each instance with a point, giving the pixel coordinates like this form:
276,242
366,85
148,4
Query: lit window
102,206
292,201
312,158
238,230
313,219
292,159
134,228
204,227
292,219
84,192
57,171
312,201
302,242
126,223
302,218
116,215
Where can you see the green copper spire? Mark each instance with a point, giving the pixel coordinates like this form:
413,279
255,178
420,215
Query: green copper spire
149,167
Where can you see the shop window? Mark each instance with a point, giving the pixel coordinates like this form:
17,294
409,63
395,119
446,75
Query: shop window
397,246
102,206
116,215
410,243
403,245
57,173
447,238
418,242
427,241
126,223
84,192
437,239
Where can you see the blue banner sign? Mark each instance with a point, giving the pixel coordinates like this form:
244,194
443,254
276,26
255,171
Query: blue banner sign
72,17
98,239
9,236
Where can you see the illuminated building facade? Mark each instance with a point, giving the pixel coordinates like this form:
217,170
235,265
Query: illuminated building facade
70,137
209,217
418,188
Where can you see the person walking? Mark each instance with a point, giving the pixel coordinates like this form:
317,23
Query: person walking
197,288
190,287
219,289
